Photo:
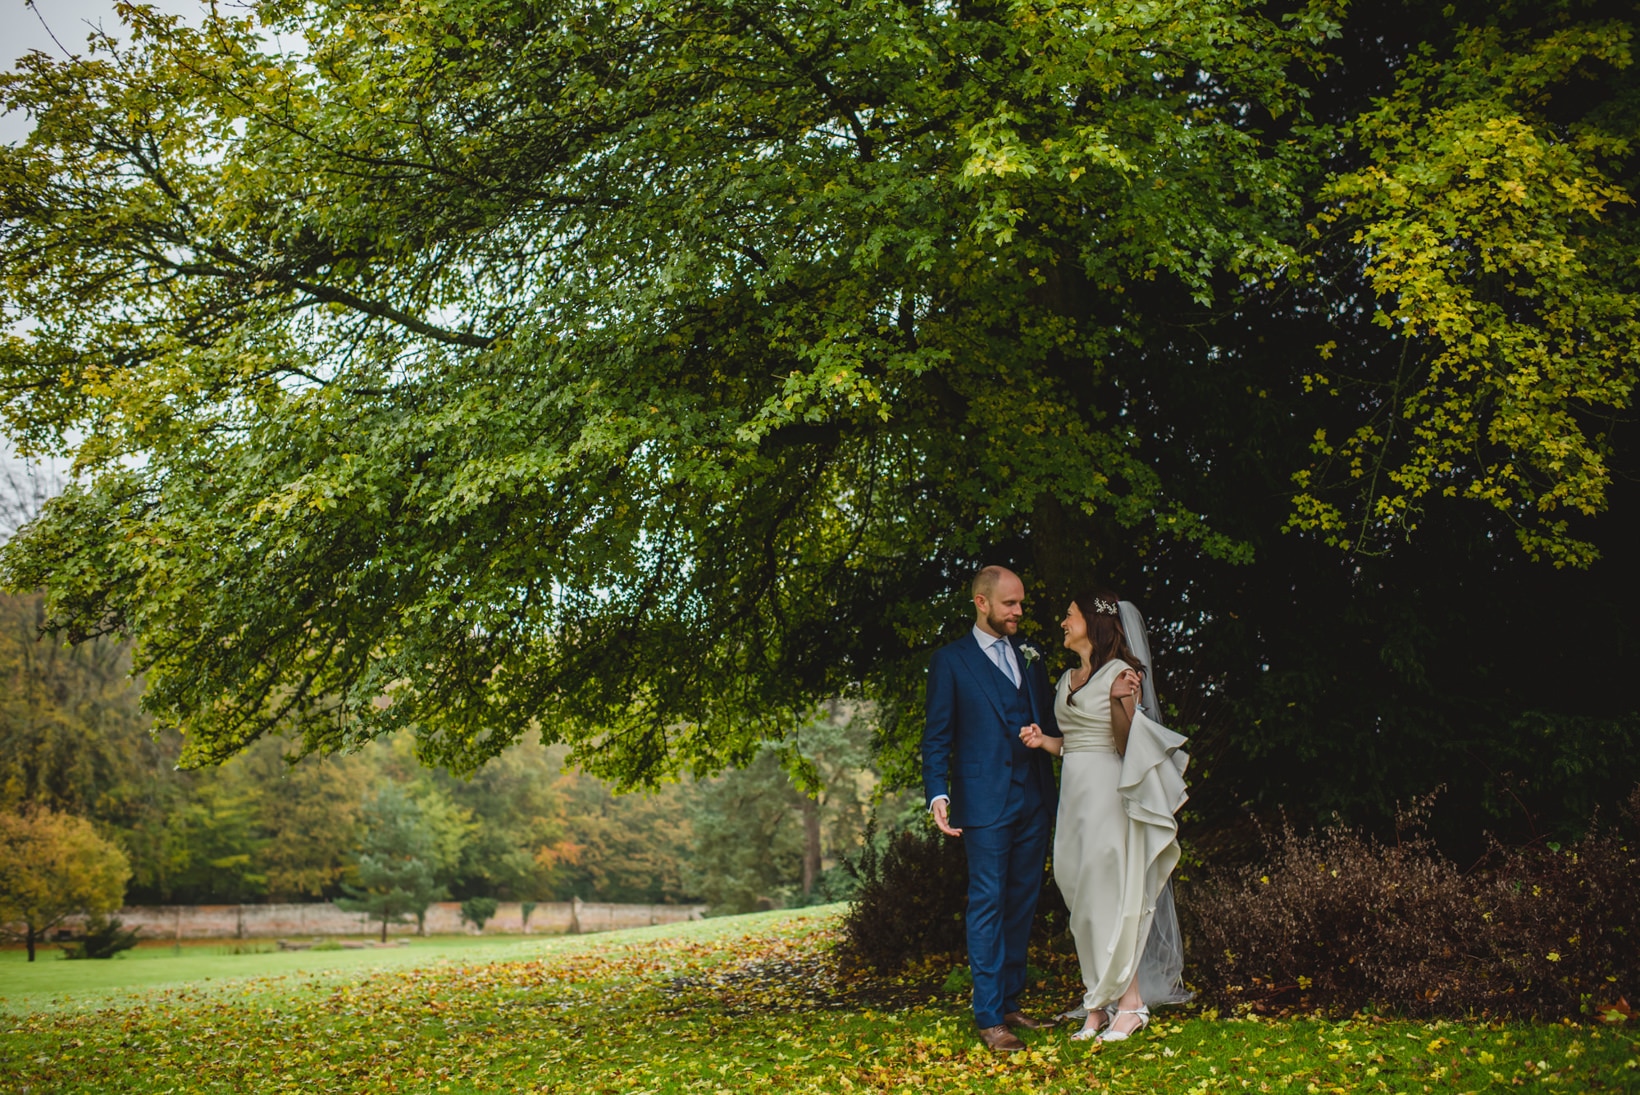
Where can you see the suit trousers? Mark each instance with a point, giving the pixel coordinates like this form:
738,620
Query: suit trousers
1006,861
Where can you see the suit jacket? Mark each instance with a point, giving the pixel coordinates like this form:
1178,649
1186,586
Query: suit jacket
970,750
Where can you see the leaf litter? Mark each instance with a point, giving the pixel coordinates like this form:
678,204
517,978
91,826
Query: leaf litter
766,1008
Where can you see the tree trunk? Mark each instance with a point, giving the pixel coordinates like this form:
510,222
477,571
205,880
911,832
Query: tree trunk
31,942
811,844
384,929
1064,560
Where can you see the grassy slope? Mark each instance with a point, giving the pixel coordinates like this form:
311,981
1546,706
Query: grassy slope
732,1005
50,981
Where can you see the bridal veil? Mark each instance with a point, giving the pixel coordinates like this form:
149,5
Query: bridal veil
1161,964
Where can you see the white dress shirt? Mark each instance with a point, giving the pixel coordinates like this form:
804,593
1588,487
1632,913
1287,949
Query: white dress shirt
997,651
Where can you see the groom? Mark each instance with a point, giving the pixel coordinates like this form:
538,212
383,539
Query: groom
986,787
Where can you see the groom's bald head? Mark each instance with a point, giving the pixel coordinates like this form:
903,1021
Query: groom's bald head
999,599
985,581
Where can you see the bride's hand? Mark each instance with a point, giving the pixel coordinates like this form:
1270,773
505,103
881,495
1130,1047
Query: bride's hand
1032,736
1129,678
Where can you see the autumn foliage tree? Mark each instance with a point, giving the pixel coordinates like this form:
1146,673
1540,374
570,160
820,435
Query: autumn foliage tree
53,866
643,373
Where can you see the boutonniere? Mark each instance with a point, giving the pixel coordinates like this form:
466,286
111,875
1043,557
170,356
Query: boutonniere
1029,652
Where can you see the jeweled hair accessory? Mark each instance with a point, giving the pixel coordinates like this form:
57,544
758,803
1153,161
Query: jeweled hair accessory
1105,608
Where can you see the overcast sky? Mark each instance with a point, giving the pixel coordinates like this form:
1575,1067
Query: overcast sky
20,32
23,29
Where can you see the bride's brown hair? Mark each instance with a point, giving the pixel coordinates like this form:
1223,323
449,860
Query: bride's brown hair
1101,612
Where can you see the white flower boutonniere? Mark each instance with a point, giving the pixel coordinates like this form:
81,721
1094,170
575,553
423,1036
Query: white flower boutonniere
1029,652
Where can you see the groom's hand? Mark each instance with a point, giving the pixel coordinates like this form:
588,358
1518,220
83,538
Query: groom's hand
942,817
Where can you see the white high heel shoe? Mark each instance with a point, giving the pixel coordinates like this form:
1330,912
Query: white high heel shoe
1086,1032
1109,1035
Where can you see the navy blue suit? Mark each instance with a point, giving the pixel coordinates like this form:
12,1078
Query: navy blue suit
1003,798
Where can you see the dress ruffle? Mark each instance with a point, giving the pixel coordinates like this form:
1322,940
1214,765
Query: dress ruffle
1152,784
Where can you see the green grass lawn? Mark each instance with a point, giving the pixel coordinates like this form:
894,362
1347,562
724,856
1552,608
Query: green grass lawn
731,1005
51,981
225,966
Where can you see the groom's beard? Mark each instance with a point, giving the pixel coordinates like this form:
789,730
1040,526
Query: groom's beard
1002,625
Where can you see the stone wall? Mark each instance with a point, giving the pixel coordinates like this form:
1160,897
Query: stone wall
443,918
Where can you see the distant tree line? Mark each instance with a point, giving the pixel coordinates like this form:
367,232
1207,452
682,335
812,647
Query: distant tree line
74,741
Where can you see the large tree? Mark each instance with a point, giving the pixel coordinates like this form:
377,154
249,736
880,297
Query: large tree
644,372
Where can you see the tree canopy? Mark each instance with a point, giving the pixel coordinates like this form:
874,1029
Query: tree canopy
642,373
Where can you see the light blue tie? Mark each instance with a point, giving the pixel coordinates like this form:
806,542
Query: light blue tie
1005,663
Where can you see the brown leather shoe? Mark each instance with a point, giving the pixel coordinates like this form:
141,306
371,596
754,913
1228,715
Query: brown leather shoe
1020,1021
1000,1039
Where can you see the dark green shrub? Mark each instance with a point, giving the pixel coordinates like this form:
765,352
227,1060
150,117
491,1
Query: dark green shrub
104,938
908,901
478,911
910,894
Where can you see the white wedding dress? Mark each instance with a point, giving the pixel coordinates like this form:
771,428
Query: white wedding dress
1117,843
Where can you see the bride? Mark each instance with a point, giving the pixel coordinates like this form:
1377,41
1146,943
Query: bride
1116,842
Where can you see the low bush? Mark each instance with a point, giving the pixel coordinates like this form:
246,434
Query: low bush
1338,920
104,938
479,911
910,893
908,900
